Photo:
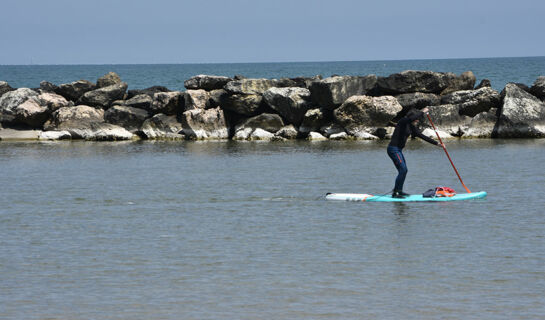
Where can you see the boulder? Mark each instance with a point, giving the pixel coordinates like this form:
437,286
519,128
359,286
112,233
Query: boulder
362,134
12,99
75,90
359,112
331,129
538,88
339,136
128,117
266,121
53,101
522,115
54,135
260,134
103,97
169,103
313,120
48,87
305,82
315,136
31,113
415,81
482,125
465,81
250,86
447,118
216,97
292,103
196,99
74,117
148,91
287,132
473,102
243,104
100,131
205,124
141,101
331,92
206,82
109,79
484,83
243,134
430,133
161,126
417,100
4,88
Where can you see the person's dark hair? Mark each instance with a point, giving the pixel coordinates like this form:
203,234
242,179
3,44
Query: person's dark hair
411,113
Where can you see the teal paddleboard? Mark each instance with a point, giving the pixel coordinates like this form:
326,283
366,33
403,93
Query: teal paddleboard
411,198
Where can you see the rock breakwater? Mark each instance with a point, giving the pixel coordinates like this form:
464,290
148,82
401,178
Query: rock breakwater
314,108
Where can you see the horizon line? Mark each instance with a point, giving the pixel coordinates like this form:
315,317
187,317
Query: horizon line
263,62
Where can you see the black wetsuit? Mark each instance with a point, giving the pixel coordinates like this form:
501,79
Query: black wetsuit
403,130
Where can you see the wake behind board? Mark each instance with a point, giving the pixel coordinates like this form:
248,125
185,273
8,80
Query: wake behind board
411,198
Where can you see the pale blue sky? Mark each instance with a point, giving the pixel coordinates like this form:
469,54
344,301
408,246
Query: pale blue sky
165,31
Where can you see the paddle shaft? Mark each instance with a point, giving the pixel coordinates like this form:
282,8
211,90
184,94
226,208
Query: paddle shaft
448,156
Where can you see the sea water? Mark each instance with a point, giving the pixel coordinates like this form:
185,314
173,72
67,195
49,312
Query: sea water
241,230
498,70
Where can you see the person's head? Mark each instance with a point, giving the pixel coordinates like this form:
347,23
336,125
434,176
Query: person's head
411,113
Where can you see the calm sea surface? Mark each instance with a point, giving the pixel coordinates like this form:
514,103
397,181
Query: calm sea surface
498,70
240,230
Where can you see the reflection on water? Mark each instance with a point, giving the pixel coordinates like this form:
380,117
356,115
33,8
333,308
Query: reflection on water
240,230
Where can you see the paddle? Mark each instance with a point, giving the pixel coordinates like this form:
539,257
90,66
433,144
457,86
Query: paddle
445,148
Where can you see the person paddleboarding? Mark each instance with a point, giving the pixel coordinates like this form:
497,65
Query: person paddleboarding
405,127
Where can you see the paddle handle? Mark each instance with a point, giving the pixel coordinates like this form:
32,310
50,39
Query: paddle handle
448,156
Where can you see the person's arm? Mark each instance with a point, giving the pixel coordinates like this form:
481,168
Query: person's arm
416,133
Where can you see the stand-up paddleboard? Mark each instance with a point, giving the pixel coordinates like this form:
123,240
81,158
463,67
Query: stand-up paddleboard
411,198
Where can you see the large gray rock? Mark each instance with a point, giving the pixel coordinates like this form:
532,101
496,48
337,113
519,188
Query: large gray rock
483,84
48,87
482,125
313,120
169,103
538,88
127,117
103,97
521,116
85,122
161,126
53,101
206,82
196,99
4,88
447,118
204,124
216,97
31,113
465,81
305,82
291,103
473,102
331,92
415,81
74,117
74,90
108,79
243,104
417,100
359,112
250,86
96,131
287,132
148,91
266,121
141,101
12,99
